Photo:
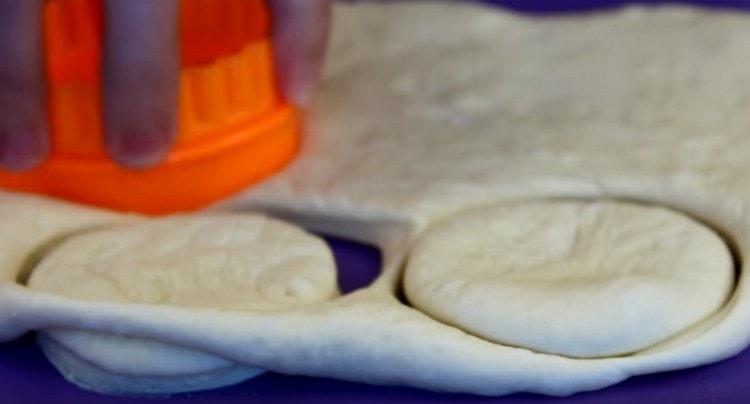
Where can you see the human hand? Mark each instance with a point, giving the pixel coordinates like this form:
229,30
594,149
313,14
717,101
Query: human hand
141,74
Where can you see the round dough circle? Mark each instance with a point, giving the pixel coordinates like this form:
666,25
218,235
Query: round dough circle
574,278
234,262
162,368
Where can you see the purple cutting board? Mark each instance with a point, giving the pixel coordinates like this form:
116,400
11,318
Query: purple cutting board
26,376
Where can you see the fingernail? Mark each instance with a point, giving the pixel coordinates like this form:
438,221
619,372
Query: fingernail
22,151
139,150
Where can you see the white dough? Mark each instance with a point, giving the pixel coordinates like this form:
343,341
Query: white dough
582,279
29,226
238,262
195,371
28,222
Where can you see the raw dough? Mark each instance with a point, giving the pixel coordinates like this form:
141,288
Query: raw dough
582,279
231,262
30,226
159,369
33,223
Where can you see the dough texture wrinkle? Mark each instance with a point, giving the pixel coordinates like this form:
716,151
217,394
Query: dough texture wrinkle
239,262
582,279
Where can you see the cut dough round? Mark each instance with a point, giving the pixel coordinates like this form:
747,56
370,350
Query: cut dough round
231,262
31,225
581,279
235,262
165,369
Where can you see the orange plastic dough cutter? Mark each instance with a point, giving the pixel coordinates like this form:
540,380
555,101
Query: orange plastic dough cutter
234,129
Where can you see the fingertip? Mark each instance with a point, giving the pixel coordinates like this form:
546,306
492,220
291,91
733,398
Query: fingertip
300,40
23,150
299,90
24,141
141,79
23,132
139,131
139,149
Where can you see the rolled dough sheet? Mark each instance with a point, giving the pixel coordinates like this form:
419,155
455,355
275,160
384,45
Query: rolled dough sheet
428,109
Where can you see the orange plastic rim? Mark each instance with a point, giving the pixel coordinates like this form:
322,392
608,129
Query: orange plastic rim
233,127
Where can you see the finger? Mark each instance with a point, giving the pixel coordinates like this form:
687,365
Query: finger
23,122
141,77
300,38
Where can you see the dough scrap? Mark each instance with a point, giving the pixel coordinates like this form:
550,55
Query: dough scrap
581,279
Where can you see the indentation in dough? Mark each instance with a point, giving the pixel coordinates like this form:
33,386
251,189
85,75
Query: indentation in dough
581,279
